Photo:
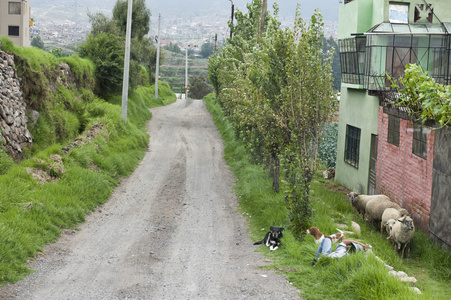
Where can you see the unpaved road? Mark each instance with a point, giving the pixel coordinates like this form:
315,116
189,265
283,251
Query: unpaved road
169,231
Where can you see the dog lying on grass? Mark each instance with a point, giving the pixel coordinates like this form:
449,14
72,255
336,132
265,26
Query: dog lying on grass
272,238
319,237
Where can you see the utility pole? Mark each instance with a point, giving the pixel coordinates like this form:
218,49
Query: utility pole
233,12
186,73
128,34
157,73
216,40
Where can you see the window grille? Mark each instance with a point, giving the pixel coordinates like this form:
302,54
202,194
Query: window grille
393,130
352,146
14,8
419,143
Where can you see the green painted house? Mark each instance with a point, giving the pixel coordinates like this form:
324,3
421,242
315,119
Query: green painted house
376,38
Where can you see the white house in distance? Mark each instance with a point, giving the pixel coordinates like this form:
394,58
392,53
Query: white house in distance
15,21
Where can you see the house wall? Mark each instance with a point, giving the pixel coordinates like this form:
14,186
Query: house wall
21,20
403,176
358,109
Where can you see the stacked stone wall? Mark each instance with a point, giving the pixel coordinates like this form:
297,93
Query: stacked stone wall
14,134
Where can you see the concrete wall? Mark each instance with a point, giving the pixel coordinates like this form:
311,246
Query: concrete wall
403,176
360,110
440,222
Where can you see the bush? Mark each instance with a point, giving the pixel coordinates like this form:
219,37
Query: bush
327,151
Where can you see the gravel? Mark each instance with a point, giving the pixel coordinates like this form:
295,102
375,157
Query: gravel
169,231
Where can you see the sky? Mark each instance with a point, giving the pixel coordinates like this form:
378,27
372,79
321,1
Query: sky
329,8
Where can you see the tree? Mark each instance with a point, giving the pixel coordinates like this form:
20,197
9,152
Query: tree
106,51
275,87
173,48
206,50
423,96
37,42
330,45
140,16
198,87
102,24
142,52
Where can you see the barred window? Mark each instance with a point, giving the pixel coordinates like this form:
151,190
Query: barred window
352,145
352,59
14,8
393,130
13,30
419,142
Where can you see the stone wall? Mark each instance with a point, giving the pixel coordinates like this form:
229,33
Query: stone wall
14,134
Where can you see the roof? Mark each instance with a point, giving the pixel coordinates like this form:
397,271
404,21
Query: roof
416,28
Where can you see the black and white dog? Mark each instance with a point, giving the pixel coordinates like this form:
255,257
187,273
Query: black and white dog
272,238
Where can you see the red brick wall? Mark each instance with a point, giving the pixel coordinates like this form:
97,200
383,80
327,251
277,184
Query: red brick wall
397,164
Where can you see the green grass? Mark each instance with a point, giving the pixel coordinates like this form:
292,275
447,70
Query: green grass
357,276
33,214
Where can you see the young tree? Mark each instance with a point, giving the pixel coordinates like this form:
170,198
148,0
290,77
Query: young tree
198,87
140,16
206,50
106,51
37,42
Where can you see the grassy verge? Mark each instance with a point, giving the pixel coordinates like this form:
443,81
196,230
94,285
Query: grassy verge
357,276
54,189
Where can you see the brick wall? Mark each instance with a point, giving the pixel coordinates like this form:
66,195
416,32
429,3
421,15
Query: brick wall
402,175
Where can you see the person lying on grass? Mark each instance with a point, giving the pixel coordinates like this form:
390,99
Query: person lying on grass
345,247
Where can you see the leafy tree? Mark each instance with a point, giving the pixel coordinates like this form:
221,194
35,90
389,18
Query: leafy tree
206,50
275,86
102,24
140,16
423,96
106,51
173,48
198,87
37,42
329,46
142,52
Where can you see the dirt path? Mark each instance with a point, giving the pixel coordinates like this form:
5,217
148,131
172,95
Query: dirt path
169,231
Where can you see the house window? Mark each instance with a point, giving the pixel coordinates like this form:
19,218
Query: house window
419,143
393,130
352,59
399,13
352,145
13,30
14,8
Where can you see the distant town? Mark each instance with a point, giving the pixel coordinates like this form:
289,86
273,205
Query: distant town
188,32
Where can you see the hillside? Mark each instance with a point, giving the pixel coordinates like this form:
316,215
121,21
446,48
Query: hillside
173,69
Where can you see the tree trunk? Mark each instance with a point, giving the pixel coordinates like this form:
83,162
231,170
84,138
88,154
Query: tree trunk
276,163
264,10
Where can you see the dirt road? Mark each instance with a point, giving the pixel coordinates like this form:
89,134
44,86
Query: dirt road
170,231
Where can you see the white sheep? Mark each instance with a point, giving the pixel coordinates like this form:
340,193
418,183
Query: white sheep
360,201
389,225
392,213
376,207
402,233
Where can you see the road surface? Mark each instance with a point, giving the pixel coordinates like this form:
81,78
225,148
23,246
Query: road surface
169,231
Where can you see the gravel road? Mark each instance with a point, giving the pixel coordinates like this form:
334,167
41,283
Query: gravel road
169,231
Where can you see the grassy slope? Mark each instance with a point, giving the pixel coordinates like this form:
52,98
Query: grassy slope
357,276
33,214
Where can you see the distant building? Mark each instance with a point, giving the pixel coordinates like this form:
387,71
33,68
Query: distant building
381,148
15,21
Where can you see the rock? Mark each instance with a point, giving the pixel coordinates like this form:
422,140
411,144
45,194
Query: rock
355,227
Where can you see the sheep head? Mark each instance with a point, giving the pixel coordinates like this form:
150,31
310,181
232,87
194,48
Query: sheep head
407,222
352,196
